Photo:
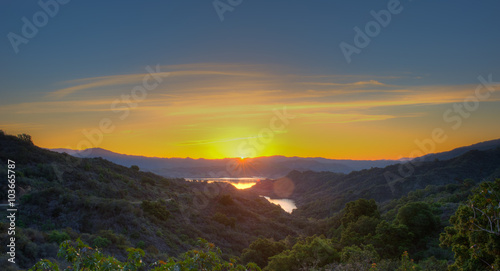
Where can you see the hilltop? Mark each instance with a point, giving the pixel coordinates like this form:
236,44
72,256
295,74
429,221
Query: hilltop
366,212
114,207
268,167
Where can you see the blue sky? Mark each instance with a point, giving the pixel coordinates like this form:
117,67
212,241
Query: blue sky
428,44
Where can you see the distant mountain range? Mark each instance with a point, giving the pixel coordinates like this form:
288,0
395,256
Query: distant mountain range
483,146
266,167
322,194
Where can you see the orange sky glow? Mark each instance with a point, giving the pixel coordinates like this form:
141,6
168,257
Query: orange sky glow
232,110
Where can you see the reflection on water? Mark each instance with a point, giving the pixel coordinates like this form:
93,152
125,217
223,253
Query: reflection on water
239,183
286,204
243,183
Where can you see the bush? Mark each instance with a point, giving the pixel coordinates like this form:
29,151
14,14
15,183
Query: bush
224,220
226,200
311,253
156,209
261,250
82,257
58,237
101,242
147,180
25,138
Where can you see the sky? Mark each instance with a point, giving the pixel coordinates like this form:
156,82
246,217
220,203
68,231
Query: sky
239,78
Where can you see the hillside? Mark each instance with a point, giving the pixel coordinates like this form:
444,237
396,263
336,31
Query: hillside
482,146
377,214
322,194
112,206
268,167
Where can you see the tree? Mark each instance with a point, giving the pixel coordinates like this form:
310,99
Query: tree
359,258
82,257
418,217
362,207
307,254
360,231
474,234
134,167
260,250
25,138
391,240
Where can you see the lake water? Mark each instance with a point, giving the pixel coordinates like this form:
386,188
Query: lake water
239,183
286,204
243,183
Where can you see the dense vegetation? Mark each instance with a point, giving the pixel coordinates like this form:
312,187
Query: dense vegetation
113,207
365,220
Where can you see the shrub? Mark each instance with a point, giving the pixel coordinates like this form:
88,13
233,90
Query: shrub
226,200
101,242
58,236
224,220
148,180
82,257
156,209
25,138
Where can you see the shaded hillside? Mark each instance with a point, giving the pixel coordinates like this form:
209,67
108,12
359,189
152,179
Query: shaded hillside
114,207
487,145
321,194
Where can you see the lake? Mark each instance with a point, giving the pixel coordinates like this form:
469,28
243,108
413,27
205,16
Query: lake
243,183
286,204
239,183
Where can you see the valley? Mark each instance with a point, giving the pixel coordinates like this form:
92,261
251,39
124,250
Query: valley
113,207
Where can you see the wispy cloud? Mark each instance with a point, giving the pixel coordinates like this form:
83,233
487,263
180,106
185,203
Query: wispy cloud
211,141
210,92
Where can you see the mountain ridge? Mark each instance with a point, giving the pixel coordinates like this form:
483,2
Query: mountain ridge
267,166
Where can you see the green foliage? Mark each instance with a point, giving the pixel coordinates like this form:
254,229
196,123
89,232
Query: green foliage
359,258
474,235
58,236
360,231
45,265
101,242
355,209
418,217
226,200
141,244
310,253
224,220
260,250
148,180
156,209
207,257
83,257
407,264
392,239
433,264
134,167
